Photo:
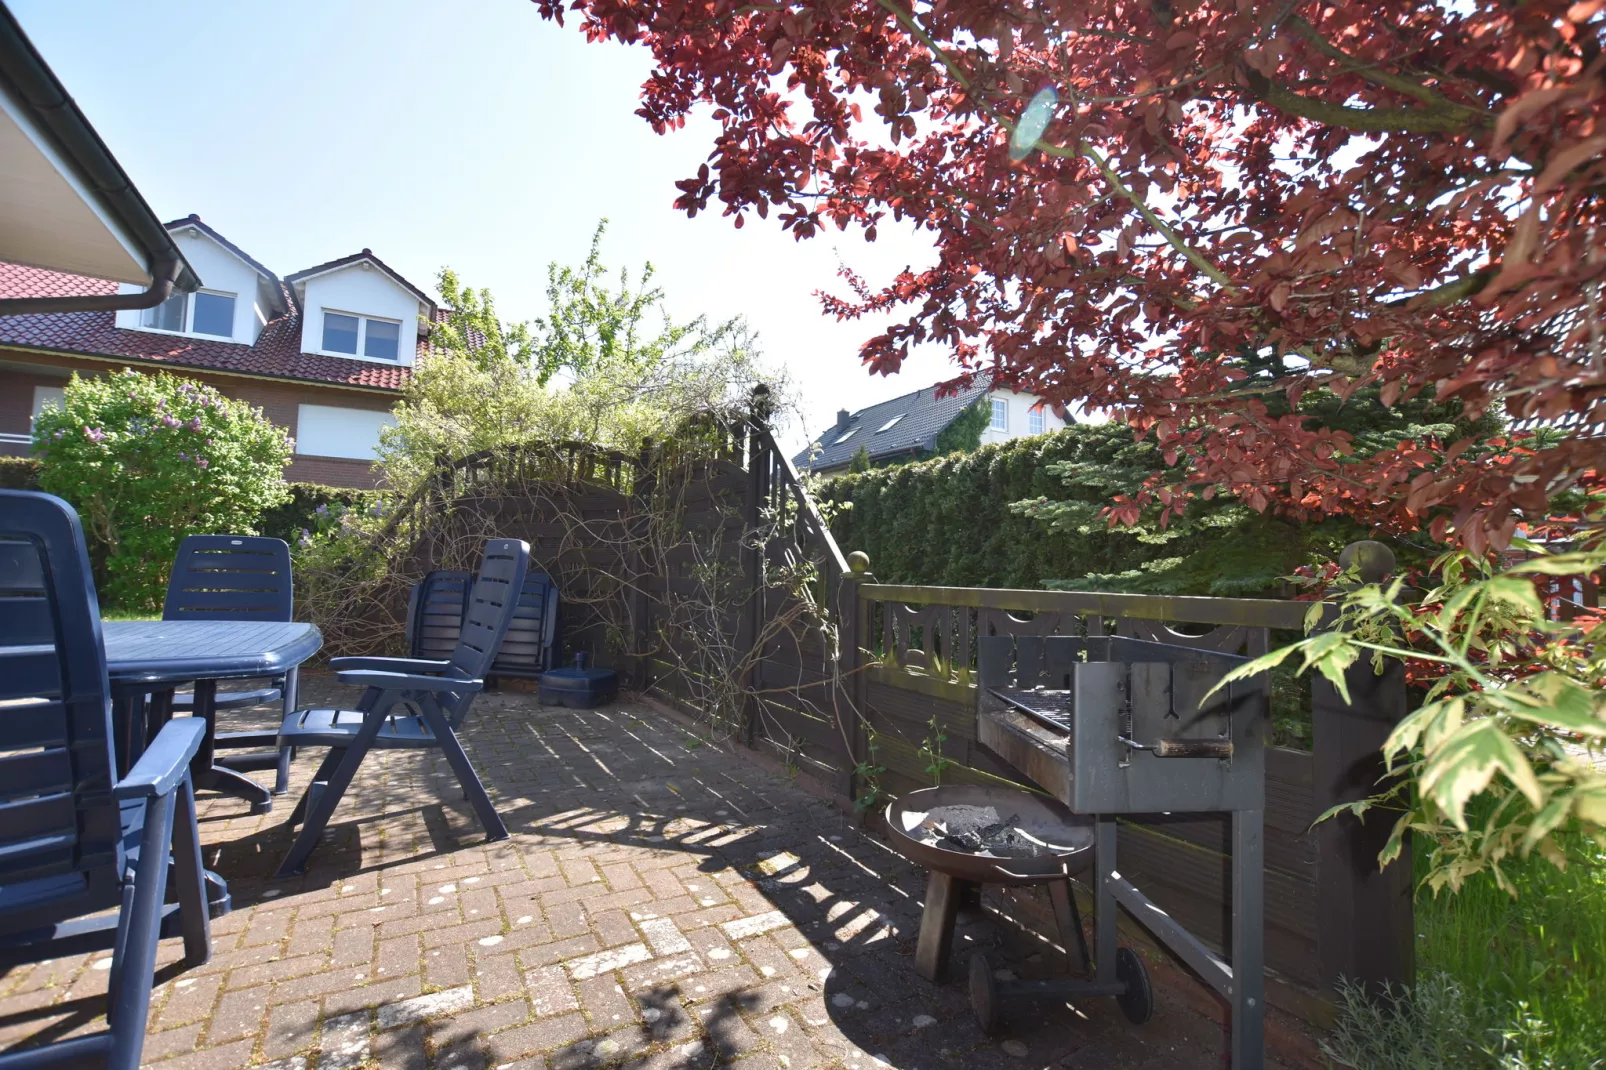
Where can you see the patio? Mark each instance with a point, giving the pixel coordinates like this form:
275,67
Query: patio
661,903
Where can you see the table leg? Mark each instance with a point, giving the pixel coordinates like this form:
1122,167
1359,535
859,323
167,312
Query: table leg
936,941
212,777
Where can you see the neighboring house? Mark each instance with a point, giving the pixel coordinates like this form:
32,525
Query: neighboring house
324,352
907,427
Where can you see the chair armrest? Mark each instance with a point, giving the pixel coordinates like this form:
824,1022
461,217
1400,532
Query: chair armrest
411,665
165,761
401,681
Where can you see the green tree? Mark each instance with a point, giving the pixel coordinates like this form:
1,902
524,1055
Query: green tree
607,365
148,459
964,434
860,462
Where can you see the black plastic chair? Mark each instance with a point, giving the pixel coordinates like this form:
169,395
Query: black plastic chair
238,577
84,855
440,601
442,691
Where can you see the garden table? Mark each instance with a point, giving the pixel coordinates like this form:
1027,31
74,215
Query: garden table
153,657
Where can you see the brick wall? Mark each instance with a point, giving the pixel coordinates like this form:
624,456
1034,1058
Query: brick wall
277,400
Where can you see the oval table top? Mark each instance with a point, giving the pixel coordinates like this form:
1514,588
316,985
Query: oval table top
173,651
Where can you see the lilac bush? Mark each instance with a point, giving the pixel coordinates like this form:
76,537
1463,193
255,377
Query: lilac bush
148,459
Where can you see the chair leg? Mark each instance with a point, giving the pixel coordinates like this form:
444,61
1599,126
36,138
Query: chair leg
321,810
331,762
195,912
473,790
290,690
130,1008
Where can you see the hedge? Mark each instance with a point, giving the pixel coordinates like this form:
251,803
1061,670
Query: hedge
19,473
949,522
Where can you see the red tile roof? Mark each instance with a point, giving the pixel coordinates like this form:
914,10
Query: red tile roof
276,353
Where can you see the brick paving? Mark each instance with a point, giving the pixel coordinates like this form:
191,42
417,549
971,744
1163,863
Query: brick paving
661,904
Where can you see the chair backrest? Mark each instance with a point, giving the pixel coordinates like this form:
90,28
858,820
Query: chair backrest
230,577
439,602
492,602
61,852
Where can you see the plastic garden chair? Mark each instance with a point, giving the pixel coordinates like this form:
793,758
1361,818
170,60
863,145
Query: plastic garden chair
439,602
237,577
442,691
84,856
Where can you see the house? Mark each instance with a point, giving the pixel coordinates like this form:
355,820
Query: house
907,427
323,352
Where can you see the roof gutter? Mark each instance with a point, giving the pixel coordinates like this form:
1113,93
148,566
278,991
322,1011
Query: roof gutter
36,87
167,273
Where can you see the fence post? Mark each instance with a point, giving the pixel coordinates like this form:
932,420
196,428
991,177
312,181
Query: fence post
853,627
752,555
1365,918
642,563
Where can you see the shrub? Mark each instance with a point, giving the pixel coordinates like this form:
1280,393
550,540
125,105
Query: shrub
148,459
19,473
306,503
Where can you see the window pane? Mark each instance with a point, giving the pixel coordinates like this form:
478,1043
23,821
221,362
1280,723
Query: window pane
214,314
339,333
1000,415
167,316
382,340
1035,423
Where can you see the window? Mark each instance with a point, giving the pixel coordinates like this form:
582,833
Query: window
888,425
47,397
1034,421
203,312
345,333
329,431
1000,415
851,432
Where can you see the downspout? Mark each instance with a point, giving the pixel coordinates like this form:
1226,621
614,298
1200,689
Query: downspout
166,275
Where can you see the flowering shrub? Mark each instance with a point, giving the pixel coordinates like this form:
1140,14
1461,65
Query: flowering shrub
148,459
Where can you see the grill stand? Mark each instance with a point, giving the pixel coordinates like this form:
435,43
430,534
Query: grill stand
1114,726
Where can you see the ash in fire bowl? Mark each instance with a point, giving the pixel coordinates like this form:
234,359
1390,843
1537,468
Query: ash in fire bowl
978,830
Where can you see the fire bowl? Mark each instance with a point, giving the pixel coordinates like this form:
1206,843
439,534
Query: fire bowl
1039,839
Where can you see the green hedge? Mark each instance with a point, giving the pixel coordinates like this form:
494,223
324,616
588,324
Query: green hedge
300,513
19,473
949,522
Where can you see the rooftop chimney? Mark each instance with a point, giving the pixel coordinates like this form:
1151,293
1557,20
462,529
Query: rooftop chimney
843,418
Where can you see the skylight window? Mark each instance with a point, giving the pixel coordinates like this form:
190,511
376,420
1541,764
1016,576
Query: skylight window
888,425
850,433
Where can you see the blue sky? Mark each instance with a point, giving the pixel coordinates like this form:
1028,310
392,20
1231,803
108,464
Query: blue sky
469,134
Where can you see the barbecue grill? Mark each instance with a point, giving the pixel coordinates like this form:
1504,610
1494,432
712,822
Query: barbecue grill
1112,726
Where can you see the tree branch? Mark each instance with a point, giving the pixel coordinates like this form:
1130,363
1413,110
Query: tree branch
1397,82
1366,120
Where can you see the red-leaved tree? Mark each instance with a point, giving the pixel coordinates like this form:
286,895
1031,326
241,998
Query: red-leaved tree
1128,197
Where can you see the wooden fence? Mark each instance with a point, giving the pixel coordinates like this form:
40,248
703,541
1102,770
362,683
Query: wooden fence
857,689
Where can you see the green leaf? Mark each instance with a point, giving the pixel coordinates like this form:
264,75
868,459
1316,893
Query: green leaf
1519,594
1468,761
1553,699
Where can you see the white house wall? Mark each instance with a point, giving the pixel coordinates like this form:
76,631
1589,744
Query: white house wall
220,270
1019,417
362,291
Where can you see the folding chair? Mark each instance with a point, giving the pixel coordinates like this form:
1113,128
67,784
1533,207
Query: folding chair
237,577
439,602
442,691
84,855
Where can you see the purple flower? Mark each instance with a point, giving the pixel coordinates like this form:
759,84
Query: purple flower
183,456
94,434
322,510
195,424
168,420
201,462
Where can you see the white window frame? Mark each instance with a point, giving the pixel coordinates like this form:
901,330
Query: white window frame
847,435
362,319
1000,416
1036,422
890,423
189,318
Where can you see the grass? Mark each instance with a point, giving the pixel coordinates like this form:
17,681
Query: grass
127,614
1511,984
1536,963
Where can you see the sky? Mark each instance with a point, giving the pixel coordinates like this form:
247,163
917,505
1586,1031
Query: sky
468,134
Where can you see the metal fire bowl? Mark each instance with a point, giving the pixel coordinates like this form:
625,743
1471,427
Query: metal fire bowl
1039,815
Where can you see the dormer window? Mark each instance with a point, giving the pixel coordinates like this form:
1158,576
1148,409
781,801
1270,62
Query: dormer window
205,312
376,338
